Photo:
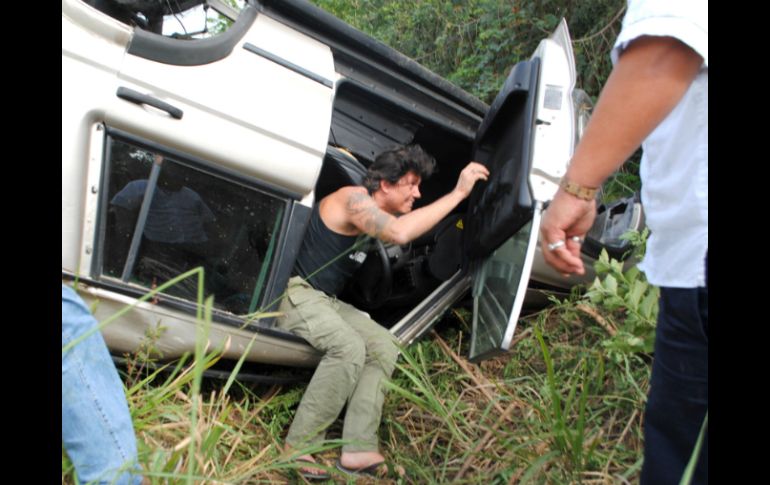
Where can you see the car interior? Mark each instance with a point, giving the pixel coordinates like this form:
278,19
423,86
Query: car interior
393,278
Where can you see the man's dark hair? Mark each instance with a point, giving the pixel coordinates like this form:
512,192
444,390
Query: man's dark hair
394,164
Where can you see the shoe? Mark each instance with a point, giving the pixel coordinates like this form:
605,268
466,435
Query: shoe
319,475
374,470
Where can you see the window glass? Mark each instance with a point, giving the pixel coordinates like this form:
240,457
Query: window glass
165,217
495,293
188,20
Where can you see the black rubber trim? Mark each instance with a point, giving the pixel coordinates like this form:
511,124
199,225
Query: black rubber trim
538,285
138,98
500,207
191,52
242,376
296,225
288,65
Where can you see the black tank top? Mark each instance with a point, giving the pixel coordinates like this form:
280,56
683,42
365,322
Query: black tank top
320,246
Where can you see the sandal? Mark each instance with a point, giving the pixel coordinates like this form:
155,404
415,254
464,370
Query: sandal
374,470
319,475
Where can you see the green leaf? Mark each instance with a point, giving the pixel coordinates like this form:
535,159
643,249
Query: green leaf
602,265
649,306
635,342
613,302
632,274
635,295
611,284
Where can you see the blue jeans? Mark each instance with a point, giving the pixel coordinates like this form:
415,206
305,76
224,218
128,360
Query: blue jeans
96,430
678,398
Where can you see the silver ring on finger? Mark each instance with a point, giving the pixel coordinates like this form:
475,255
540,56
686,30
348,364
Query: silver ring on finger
555,245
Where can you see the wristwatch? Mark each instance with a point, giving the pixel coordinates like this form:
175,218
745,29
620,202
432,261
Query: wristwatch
579,191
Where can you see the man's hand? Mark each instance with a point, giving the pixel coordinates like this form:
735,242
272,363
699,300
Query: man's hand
567,218
472,173
650,78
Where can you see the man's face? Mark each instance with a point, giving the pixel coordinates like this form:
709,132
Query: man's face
403,193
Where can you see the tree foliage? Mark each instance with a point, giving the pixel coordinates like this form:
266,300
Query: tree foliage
474,43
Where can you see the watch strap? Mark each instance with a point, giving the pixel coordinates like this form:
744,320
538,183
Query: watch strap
579,191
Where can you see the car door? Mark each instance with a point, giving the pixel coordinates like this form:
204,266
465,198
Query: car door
234,97
526,140
179,154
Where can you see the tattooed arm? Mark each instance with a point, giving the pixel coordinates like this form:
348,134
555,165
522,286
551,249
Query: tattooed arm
363,212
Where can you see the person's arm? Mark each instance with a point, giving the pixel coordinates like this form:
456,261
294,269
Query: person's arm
364,214
651,77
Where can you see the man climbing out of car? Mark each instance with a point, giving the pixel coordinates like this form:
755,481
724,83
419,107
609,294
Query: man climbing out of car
358,353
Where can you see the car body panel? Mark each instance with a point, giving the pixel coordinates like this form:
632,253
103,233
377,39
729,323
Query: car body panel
554,137
219,126
92,77
260,111
298,92
178,338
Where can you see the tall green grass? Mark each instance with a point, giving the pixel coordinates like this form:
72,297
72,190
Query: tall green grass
553,410
186,435
558,411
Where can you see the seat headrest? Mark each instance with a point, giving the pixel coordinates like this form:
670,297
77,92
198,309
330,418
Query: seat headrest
340,168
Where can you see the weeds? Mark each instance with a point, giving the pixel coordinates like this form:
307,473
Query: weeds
554,410
628,302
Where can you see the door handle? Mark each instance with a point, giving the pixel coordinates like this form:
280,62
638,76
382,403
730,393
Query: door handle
139,98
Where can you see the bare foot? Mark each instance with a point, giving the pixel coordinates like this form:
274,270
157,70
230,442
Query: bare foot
308,471
311,470
360,460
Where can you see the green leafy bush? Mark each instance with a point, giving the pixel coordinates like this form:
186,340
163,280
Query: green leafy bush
629,302
474,43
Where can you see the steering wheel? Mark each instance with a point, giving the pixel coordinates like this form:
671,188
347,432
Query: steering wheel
374,283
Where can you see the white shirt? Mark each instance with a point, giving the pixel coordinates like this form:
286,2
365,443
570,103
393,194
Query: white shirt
674,168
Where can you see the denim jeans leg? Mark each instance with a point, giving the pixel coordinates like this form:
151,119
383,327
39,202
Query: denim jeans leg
678,399
97,431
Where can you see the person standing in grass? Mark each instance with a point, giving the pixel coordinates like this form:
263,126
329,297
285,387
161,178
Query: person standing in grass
358,353
96,427
656,95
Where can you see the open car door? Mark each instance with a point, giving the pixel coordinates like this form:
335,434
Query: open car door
526,140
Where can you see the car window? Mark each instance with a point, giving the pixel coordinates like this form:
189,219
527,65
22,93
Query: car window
166,215
201,21
189,20
499,288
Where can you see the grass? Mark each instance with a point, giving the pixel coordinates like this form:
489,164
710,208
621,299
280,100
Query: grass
553,410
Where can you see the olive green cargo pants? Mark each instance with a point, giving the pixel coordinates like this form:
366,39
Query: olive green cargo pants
358,355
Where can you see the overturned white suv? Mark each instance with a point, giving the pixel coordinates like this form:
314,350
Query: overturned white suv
248,129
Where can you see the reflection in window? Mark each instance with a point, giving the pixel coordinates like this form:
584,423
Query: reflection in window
496,290
189,20
165,217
